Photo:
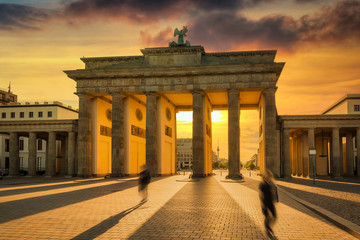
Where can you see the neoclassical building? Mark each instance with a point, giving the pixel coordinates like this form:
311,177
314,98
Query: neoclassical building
37,137
127,107
127,117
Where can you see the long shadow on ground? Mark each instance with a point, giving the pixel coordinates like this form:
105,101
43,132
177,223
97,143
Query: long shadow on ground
200,210
26,207
343,185
347,209
44,188
105,225
343,208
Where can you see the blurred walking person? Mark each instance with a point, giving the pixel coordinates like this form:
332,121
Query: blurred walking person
268,195
144,181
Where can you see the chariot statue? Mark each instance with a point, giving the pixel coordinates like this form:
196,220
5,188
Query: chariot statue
181,33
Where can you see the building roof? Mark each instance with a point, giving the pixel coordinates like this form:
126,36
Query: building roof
38,104
341,100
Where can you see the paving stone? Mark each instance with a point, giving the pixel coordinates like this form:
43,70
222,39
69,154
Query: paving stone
109,209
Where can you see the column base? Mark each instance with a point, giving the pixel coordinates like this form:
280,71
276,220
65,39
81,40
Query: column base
238,176
197,175
114,175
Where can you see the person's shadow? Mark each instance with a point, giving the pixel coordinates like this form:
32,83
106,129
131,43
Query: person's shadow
105,225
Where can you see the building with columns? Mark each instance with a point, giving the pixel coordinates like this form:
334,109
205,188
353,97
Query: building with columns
127,118
114,91
332,137
38,137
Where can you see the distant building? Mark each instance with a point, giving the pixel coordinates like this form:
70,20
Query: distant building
348,104
7,97
184,153
43,122
214,157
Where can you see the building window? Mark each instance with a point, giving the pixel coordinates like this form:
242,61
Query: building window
12,114
40,114
357,108
21,144
7,144
49,114
3,115
12,99
22,114
31,114
39,144
39,160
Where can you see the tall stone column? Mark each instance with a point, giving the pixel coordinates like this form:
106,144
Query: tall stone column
358,151
84,136
117,136
305,155
270,137
286,152
234,134
312,157
14,165
51,155
32,154
349,155
335,150
151,134
299,155
71,154
295,154
198,141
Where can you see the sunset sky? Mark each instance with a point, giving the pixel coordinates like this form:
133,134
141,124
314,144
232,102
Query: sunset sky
318,40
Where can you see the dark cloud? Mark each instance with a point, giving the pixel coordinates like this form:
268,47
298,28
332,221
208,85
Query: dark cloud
15,17
149,11
224,30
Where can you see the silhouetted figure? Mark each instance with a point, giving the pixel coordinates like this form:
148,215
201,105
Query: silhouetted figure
144,181
268,195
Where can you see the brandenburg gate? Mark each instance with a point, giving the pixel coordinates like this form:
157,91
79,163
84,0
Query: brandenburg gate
128,105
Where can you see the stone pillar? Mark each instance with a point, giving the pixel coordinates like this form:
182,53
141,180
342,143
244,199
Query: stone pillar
270,137
84,136
71,154
32,154
335,150
358,151
299,155
64,156
51,155
286,152
295,154
151,134
117,136
349,155
14,164
234,134
198,141
305,155
312,157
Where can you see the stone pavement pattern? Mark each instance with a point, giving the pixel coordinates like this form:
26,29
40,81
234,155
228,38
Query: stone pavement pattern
108,209
341,197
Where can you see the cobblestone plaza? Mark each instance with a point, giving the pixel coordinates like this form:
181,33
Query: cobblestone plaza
209,208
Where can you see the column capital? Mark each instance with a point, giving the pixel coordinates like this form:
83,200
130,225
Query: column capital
232,90
118,93
83,94
152,93
199,91
270,90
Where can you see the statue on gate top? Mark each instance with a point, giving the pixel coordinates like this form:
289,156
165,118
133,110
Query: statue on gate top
181,34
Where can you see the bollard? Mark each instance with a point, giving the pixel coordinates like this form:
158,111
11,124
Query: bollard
250,173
